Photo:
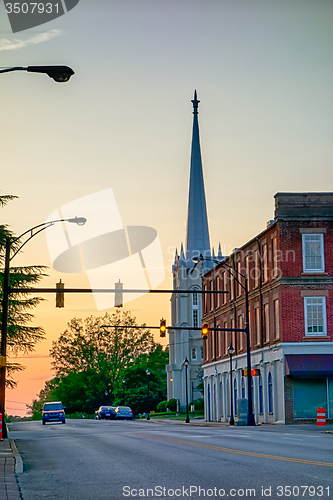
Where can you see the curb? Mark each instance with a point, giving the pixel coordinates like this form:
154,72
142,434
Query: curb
17,456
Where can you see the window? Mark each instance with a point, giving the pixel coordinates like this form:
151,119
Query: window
257,324
315,316
243,387
266,316
201,352
239,287
247,270
224,287
313,252
195,318
265,261
218,341
232,284
275,257
276,318
194,353
211,295
235,397
195,310
240,325
256,268
233,334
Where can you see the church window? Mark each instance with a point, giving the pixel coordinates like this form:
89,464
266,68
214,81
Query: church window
195,318
201,352
194,354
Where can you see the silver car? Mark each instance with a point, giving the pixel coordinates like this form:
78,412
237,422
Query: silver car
124,412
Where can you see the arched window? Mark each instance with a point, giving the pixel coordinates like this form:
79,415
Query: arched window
201,352
261,404
243,387
194,353
270,393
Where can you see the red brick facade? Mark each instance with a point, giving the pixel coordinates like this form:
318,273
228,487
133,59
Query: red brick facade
273,262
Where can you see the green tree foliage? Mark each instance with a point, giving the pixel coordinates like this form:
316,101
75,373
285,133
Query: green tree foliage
91,361
21,336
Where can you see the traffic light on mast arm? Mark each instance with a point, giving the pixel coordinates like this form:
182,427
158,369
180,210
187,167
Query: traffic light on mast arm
60,296
204,331
162,327
255,372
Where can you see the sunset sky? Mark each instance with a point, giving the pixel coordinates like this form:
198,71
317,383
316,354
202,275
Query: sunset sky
263,70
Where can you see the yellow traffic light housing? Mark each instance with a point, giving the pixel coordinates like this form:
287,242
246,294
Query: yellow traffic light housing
162,327
204,331
60,296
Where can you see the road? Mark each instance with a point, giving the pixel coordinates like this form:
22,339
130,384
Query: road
108,460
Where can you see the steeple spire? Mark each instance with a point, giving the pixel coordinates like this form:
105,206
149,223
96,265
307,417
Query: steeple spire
197,233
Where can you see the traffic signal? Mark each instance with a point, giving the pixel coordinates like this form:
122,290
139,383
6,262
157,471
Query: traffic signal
60,296
162,327
204,331
255,372
244,372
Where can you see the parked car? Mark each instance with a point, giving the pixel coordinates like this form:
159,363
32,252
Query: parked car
124,412
53,412
106,412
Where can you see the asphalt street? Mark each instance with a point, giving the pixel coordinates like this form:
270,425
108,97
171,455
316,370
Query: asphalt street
108,460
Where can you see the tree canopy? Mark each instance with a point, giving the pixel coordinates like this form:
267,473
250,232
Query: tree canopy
103,360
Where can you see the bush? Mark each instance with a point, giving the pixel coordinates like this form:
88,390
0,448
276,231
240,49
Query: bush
162,406
172,404
199,404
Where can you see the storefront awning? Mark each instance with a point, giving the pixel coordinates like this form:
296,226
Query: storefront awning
306,365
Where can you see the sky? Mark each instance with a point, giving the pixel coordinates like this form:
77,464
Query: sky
263,70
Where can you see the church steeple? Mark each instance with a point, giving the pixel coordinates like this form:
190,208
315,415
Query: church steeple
197,233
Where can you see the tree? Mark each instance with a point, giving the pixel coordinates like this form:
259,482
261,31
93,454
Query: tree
91,359
104,346
21,337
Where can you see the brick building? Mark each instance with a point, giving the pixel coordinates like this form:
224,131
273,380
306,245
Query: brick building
290,280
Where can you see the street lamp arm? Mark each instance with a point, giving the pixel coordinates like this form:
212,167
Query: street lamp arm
17,68
80,221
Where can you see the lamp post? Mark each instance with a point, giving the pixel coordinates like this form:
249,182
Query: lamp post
232,271
186,363
59,74
231,352
148,374
6,291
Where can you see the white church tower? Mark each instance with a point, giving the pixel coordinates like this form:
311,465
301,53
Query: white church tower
186,308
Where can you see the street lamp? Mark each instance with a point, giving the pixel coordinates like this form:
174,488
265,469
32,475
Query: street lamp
59,74
186,363
231,352
148,374
232,271
6,291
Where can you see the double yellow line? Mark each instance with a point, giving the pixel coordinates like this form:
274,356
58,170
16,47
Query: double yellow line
236,452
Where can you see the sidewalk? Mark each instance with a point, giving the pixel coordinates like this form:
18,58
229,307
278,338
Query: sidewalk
10,463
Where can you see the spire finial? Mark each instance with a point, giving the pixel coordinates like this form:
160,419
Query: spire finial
195,103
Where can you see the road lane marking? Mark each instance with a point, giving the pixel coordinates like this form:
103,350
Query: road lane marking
237,452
